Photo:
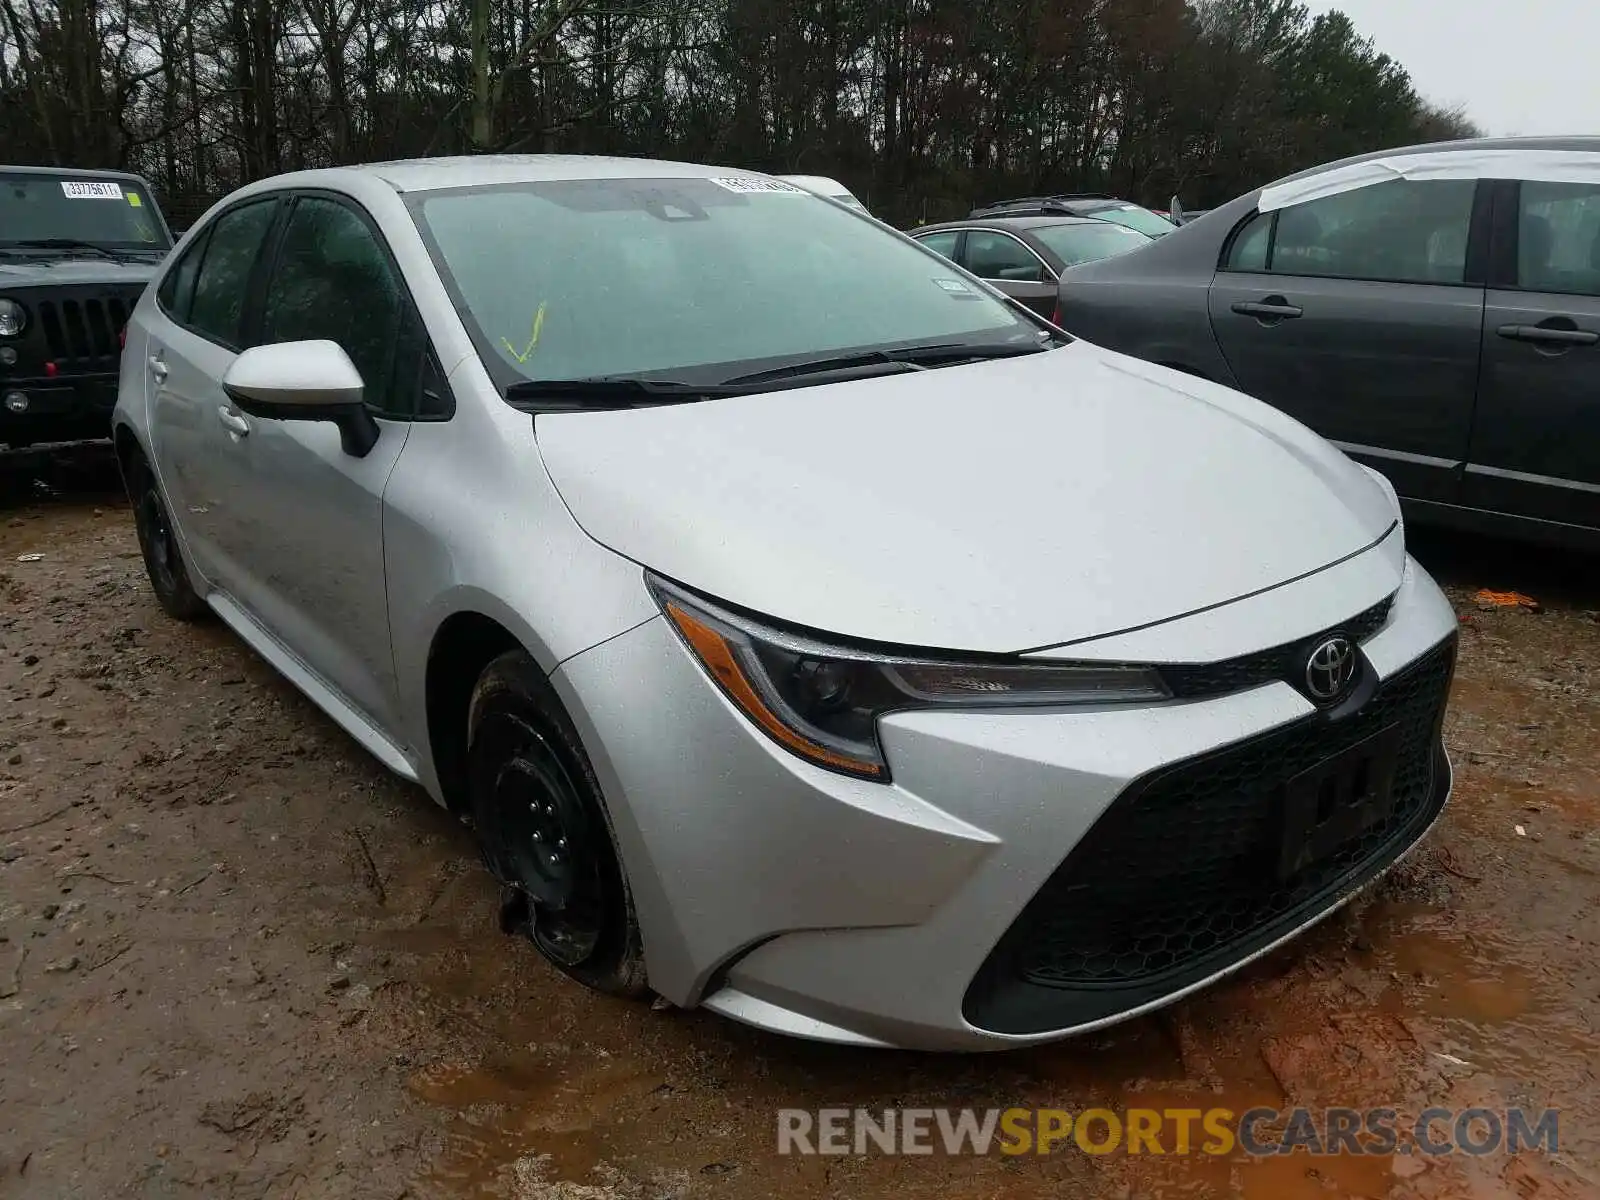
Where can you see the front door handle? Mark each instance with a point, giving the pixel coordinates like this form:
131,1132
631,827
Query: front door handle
1273,308
1549,335
233,422
158,368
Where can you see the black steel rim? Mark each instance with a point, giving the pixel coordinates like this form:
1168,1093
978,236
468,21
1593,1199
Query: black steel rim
539,835
160,547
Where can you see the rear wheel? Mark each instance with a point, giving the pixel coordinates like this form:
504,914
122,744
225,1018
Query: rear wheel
544,831
158,542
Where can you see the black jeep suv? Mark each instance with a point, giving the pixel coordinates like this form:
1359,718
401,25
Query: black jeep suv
76,250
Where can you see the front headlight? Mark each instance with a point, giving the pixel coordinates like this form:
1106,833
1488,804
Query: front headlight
13,318
823,702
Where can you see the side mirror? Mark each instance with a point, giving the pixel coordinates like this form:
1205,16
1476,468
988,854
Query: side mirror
304,381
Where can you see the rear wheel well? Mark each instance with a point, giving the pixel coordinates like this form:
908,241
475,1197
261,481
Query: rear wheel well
128,451
464,645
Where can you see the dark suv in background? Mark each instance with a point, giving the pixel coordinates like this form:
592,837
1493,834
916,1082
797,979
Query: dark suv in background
1080,204
76,251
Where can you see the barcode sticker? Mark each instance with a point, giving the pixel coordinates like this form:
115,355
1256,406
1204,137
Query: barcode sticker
91,189
750,187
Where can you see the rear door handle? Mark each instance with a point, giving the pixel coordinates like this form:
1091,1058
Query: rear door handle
233,422
1273,308
1548,336
158,368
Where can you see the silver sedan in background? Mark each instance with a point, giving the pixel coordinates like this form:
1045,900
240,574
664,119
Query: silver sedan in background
807,632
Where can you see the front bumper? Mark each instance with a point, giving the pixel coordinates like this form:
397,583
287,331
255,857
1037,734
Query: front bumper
953,909
59,408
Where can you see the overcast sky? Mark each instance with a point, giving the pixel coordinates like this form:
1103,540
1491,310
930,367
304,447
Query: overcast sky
1532,66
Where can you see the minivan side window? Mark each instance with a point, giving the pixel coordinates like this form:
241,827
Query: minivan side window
332,279
217,310
1558,238
1399,231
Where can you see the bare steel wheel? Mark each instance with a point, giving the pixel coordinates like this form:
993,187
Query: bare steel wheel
158,542
544,831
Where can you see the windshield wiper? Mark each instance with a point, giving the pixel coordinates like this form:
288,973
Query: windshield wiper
64,244
610,391
894,358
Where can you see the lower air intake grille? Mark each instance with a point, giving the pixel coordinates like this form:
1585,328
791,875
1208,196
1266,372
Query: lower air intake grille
1181,875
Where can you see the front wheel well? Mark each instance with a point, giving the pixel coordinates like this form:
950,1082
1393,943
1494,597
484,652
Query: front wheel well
464,645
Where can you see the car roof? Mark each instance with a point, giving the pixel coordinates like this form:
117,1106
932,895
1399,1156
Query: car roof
72,173
1575,143
489,170
1011,223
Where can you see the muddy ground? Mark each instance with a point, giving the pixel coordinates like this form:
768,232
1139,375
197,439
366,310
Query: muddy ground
238,960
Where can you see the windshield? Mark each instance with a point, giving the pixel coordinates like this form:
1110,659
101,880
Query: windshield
574,279
113,214
1087,241
1134,217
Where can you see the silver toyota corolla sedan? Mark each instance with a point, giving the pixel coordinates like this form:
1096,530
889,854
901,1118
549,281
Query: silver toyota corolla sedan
808,633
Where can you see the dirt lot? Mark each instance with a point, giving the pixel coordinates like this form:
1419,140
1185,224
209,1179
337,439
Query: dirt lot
238,960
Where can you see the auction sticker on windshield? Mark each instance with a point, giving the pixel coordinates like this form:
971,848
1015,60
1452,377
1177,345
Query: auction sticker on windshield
759,186
91,189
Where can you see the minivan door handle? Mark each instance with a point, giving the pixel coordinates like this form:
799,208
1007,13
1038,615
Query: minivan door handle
158,368
1273,308
1550,335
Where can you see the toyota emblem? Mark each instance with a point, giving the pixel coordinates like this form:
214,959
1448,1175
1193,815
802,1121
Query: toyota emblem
1330,669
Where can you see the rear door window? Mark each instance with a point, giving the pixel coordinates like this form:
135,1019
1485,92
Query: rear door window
220,287
1558,238
177,286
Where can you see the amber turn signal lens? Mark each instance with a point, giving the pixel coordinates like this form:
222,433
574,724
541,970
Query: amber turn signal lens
719,658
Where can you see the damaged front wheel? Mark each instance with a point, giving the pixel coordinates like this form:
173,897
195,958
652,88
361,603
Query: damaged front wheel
545,833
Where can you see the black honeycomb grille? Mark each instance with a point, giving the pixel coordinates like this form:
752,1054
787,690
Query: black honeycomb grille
1267,666
1178,879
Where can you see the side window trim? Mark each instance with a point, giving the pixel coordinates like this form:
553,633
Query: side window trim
256,306
1505,236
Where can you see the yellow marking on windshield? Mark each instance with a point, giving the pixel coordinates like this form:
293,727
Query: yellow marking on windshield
533,342
133,199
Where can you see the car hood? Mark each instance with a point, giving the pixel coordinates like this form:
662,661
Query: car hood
998,507
49,271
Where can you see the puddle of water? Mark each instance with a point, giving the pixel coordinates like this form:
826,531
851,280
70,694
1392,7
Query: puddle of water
507,1110
1453,974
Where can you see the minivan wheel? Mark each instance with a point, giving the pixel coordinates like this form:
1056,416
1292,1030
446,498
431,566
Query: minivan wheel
544,832
158,541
